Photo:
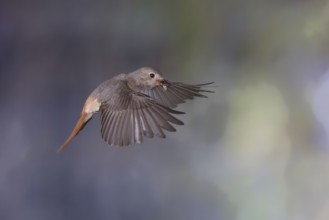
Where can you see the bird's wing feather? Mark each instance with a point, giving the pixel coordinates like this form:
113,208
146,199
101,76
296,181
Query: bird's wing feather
176,93
127,116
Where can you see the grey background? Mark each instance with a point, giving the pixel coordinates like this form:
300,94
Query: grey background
256,149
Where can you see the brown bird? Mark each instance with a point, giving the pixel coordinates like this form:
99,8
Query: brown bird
134,105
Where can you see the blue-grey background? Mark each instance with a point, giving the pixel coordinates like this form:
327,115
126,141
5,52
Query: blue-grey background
256,149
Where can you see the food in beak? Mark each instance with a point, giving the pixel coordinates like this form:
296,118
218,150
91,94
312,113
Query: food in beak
164,84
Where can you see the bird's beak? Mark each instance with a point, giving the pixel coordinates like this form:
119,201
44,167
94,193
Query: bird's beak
164,84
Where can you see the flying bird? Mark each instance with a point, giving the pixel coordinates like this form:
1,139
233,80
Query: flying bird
134,105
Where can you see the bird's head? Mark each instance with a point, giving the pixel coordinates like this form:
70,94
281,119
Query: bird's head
148,77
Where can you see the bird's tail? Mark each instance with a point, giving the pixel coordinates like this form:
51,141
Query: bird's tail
83,120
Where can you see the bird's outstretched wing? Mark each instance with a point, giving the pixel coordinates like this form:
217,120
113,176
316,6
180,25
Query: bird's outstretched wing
128,116
176,93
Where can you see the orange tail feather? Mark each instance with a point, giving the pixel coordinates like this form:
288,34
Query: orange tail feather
84,118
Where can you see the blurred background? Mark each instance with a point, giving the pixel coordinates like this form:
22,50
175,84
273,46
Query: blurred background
256,149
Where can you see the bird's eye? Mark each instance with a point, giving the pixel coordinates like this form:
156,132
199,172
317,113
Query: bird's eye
152,75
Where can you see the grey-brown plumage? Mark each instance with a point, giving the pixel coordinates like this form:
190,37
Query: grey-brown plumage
135,105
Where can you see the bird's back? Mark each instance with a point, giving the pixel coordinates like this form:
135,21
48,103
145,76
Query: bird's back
109,88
